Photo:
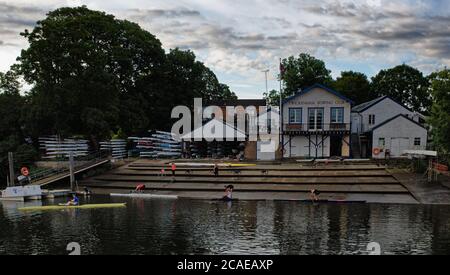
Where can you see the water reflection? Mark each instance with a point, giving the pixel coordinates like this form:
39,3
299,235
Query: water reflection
201,227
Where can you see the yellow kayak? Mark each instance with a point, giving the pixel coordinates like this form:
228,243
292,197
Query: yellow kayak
84,206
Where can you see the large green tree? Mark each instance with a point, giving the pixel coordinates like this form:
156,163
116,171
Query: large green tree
355,86
303,71
93,74
406,85
11,135
86,67
440,111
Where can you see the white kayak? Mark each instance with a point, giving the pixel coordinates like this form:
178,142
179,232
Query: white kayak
144,196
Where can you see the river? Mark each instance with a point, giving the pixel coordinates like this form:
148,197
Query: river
245,227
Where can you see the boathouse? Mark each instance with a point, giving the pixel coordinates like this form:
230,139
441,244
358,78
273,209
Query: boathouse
316,124
385,128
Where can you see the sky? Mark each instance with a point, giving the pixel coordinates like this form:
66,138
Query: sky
239,39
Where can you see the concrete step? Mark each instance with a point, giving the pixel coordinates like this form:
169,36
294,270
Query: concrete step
245,173
319,167
244,187
232,180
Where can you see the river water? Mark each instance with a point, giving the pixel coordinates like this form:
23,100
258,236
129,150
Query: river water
204,227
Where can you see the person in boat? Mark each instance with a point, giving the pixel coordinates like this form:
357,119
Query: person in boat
140,188
314,195
228,193
216,170
74,201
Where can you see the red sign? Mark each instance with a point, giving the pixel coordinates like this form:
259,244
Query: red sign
25,172
441,167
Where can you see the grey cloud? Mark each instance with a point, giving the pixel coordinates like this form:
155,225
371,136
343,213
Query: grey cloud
151,14
14,18
351,10
278,20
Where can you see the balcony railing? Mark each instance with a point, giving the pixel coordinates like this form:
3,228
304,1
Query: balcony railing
330,127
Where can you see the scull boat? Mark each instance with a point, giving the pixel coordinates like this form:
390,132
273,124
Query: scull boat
84,206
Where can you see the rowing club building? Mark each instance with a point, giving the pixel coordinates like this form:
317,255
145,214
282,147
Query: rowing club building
316,124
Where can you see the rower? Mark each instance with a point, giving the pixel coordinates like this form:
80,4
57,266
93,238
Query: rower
74,201
228,193
140,188
314,195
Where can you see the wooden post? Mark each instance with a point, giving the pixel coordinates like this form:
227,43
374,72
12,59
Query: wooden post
11,169
72,171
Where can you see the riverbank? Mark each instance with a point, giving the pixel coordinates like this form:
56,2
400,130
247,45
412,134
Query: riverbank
279,182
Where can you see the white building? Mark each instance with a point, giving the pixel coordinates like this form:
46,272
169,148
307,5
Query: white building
384,127
316,124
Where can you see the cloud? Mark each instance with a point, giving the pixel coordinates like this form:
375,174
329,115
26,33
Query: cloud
240,38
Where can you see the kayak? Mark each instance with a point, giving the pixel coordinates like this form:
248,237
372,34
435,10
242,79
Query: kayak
144,196
84,206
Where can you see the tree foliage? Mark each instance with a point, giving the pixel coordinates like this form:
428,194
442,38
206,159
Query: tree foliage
12,138
355,86
81,64
440,111
303,71
272,98
404,84
93,74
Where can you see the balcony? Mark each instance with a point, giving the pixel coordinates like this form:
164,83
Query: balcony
315,128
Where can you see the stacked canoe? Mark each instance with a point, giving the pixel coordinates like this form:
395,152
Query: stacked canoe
118,148
56,147
158,145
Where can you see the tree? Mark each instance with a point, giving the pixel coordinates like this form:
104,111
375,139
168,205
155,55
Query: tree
440,111
355,86
186,79
304,71
272,98
12,138
81,64
404,84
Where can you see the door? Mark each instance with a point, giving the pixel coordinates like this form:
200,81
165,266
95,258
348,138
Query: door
267,154
315,118
398,145
335,146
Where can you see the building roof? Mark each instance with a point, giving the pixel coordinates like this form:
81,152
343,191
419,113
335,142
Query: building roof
394,118
366,105
217,124
309,89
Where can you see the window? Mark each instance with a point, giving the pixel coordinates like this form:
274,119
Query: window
381,142
315,118
295,116
337,115
417,142
371,119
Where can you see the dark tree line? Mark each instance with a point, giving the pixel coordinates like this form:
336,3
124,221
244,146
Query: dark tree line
93,75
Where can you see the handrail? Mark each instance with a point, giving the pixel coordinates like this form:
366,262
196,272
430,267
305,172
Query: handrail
79,162
315,127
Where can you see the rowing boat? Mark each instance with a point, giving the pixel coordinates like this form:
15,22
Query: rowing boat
84,206
144,196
